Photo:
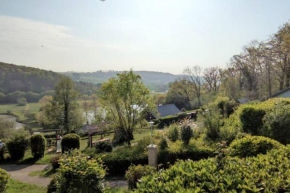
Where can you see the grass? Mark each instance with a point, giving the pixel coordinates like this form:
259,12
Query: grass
44,173
15,186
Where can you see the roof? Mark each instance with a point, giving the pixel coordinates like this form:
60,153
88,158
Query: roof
168,109
243,100
280,92
88,129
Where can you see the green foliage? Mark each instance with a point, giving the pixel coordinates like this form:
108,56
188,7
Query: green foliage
103,147
52,186
22,101
252,119
173,132
169,120
266,173
123,98
4,178
277,124
135,173
54,161
77,174
37,144
17,144
70,141
163,143
186,133
252,146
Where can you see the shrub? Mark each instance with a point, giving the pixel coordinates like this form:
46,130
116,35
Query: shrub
186,134
52,187
135,173
212,122
77,173
2,152
264,173
225,105
277,124
173,132
22,101
252,119
37,144
4,178
17,144
252,146
54,161
103,147
163,143
70,141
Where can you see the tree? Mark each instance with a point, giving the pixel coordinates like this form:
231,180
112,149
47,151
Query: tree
126,101
63,109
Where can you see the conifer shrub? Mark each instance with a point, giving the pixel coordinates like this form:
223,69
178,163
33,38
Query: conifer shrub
252,146
163,143
173,132
70,141
78,173
135,173
103,147
37,144
17,144
186,134
4,178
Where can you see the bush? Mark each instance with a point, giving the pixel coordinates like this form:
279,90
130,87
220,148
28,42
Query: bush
52,187
54,161
17,144
186,134
37,144
4,178
163,143
135,173
22,101
212,123
277,124
252,146
70,141
77,173
264,173
252,120
173,133
103,147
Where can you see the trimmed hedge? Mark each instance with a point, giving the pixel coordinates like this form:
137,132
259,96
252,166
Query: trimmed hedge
103,147
252,146
37,144
252,120
4,178
264,173
135,173
70,141
17,145
186,134
166,121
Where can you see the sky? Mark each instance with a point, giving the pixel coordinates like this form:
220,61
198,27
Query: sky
152,35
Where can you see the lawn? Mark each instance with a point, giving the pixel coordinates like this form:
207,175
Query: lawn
15,186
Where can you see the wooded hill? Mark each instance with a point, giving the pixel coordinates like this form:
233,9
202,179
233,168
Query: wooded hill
155,81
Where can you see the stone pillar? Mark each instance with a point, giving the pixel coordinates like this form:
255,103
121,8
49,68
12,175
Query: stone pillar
152,155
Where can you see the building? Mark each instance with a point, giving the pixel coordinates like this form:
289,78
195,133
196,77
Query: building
167,109
282,94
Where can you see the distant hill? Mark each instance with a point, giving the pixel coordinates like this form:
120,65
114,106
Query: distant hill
31,83
155,81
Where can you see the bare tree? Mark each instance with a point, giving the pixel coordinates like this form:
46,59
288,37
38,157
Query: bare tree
212,77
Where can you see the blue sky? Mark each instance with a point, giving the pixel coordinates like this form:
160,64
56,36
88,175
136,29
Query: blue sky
155,35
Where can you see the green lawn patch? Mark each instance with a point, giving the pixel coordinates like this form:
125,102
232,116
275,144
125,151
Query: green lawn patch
15,186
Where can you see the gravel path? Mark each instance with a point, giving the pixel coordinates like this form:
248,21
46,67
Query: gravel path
20,173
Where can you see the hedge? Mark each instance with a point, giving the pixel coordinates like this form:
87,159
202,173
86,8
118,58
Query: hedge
135,173
264,173
252,146
4,178
37,144
166,121
17,144
70,141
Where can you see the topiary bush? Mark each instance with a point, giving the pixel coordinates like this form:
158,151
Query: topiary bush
4,178
135,173
103,147
37,144
17,144
252,146
77,173
70,141
163,143
252,119
186,134
173,132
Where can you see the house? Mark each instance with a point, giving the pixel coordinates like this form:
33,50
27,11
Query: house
243,100
282,94
167,109
88,129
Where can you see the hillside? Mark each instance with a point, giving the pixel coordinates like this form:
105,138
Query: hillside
155,81
31,83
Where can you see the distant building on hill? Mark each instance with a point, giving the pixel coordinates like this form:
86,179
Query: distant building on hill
282,94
